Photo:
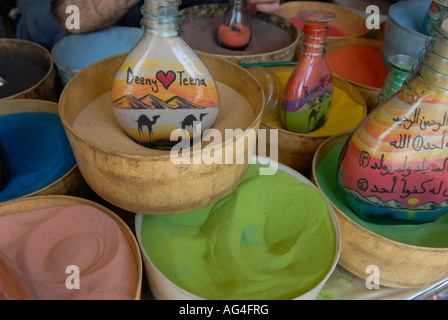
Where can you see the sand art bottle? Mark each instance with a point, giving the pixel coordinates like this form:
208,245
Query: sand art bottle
4,167
309,90
235,31
401,69
163,87
435,8
394,167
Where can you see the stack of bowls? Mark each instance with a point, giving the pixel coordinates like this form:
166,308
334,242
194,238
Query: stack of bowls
404,29
150,183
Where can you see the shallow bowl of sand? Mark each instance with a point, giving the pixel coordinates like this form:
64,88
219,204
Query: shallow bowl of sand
30,179
160,182
70,248
274,38
370,84
399,255
167,282
28,69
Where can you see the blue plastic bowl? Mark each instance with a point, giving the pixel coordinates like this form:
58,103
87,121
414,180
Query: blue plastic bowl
77,51
404,30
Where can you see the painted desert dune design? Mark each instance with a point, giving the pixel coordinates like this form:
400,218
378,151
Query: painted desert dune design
305,103
150,101
150,120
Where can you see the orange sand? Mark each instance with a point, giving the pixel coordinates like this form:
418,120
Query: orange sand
359,64
234,39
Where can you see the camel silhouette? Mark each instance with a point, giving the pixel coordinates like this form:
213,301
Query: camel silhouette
142,121
313,115
190,119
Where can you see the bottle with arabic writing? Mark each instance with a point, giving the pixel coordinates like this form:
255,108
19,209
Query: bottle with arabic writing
309,91
163,92
394,167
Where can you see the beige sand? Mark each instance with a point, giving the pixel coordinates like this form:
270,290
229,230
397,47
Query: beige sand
97,122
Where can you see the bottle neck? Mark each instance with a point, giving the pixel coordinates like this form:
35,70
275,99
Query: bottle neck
314,39
239,5
315,31
161,17
236,13
432,70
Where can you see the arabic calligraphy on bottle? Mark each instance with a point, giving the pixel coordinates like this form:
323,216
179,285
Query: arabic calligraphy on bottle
394,167
398,159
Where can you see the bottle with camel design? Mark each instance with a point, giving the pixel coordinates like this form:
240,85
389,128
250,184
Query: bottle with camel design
393,169
309,90
163,93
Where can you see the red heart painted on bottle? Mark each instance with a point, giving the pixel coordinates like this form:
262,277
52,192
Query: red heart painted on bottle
322,82
166,78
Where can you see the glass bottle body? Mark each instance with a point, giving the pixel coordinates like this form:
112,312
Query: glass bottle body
394,167
235,30
163,92
309,90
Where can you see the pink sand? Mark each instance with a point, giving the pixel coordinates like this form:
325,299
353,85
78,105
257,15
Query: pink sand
43,243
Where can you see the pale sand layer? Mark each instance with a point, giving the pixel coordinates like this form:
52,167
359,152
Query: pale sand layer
43,243
97,122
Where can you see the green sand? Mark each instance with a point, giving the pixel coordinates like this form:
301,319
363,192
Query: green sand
431,234
271,238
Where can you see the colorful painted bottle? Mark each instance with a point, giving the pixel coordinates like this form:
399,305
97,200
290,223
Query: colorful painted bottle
394,167
235,30
401,65
4,167
309,90
163,92
435,8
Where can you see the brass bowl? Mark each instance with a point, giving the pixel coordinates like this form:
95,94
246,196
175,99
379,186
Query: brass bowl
399,265
286,53
42,202
72,182
151,183
369,93
46,88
